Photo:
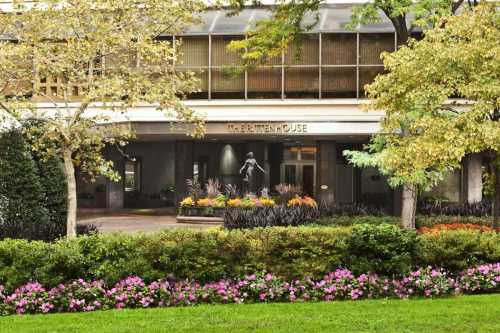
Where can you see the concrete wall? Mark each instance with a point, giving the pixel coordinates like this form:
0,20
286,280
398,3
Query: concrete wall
157,164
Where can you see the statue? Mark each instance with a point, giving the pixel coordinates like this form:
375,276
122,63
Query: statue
250,164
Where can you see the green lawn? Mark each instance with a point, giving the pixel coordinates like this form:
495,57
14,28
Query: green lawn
461,314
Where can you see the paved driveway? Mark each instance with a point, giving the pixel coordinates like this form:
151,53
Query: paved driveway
131,221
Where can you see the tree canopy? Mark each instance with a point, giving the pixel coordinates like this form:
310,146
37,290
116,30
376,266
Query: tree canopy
287,22
91,61
441,96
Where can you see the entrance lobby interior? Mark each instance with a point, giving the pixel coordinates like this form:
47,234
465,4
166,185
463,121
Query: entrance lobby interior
154,174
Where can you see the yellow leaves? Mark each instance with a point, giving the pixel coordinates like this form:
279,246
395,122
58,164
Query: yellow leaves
427,136
106,52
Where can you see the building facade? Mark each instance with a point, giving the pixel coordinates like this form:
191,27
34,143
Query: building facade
296,114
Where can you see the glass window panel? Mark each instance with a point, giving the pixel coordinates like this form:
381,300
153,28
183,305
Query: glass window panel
338,82
302,82
338,49
306,52
264,82
448,188
220,55
372,45
308,180
290,174
132,176
308,153
367,75
193,52
227,83
291,153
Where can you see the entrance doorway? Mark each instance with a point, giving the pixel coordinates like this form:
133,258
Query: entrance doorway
299,167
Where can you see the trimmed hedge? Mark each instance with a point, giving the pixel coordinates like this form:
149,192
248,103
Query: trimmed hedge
217,253
421,220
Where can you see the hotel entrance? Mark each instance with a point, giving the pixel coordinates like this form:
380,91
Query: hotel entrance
299,168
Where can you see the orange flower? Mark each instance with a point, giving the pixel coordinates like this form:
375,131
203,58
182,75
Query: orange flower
205,202
453,226
309,202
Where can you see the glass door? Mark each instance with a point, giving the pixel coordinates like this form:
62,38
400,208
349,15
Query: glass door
299,167
302,174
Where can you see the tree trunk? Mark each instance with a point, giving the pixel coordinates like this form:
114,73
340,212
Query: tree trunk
409,207
495,202
69,172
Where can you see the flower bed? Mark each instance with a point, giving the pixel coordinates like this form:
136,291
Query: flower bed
132,292
216,206
209,255
454,226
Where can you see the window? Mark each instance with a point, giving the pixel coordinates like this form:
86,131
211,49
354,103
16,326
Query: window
371,47
338,58
193,58
132,179
228,76
264,82
302,68
200,171
299,153
326,65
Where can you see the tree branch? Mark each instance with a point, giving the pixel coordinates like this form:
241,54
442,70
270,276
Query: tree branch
8,110
456,5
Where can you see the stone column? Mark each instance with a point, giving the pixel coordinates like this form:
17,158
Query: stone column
474,178
326,160
114,190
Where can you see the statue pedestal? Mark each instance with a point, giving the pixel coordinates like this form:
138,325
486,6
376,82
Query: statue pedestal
251,195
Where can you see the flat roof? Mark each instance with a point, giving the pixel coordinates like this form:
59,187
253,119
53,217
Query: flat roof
329,18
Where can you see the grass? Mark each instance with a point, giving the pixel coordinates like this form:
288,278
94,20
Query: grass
460,314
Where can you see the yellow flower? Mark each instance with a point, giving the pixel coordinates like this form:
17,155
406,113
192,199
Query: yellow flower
267,202
234,202
188,201
294,202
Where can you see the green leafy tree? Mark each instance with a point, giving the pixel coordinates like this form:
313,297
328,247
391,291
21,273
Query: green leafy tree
92,60
423,135
22,208
286,25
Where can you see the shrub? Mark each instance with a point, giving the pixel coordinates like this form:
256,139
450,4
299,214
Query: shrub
382,249
457,250
429,221
194,254
344,220
454,226
267,216
23,212
209,255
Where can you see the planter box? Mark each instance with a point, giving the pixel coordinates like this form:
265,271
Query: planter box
200,220
202,212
